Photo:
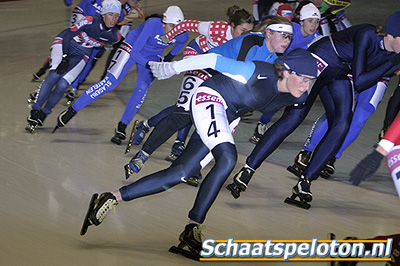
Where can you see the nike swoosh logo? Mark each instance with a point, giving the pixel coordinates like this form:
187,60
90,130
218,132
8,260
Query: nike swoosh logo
261,77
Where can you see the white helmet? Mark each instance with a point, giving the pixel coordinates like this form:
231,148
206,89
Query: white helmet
173,15
110,6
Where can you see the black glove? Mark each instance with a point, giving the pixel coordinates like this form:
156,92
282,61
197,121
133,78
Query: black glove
366,168
395,60
168,57
63,66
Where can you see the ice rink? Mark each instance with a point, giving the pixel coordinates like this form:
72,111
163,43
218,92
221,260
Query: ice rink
48,179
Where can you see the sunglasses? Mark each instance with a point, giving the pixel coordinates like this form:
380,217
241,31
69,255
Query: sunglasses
304,79
284,35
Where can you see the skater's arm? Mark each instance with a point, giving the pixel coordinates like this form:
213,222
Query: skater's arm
241,71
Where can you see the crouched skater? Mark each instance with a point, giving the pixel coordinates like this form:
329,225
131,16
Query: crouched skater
216,108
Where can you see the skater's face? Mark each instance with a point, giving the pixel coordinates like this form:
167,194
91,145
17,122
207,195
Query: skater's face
392,44
110,19
168,27
309,26
277,41
296,84
240,29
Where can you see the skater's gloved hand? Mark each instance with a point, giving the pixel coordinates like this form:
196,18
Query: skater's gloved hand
63,66
395,60
164,39
162,70
366,168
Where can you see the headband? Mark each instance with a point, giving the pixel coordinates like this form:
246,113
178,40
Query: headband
281,27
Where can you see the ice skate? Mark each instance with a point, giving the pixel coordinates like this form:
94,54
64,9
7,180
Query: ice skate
329,169
98,210
120,133
136,164
301,190
300,163
36,76
176,151
130,142
71,94
258,133
138,136
64,117
240,182
194,180
33,96
32,120
190,244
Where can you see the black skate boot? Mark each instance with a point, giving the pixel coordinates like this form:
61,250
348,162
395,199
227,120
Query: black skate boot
240,182
64,117
33,96
71,94
136,164
300,163
258,133
98,210
130,142
32,121
120,133
190,238
41,117
329,169
301,190
37,75
176,151
194,180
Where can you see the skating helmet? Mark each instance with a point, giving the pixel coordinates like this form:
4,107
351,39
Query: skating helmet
110,6
173,15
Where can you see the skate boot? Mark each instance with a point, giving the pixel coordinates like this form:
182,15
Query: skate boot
194,180
64,117
301,190
140,133
130,142
33,96
71,94
32,121
300,163
258,133
41,117
37,75
190,238
120,133
136,164
176,151
240,182
329,169
98,210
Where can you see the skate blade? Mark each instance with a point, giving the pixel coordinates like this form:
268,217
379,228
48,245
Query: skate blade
300,204
86,222
116,140
127,169
192,182
188,254
234,190
30,128
294,171
55,128
254,141
324,175
171,158
130,142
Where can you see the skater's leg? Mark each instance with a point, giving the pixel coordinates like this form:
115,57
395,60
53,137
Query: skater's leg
56,95
339,115
393,108
45,89
144,79
367,102
154,120
183,133
187,165
317,132
102,87
164,130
